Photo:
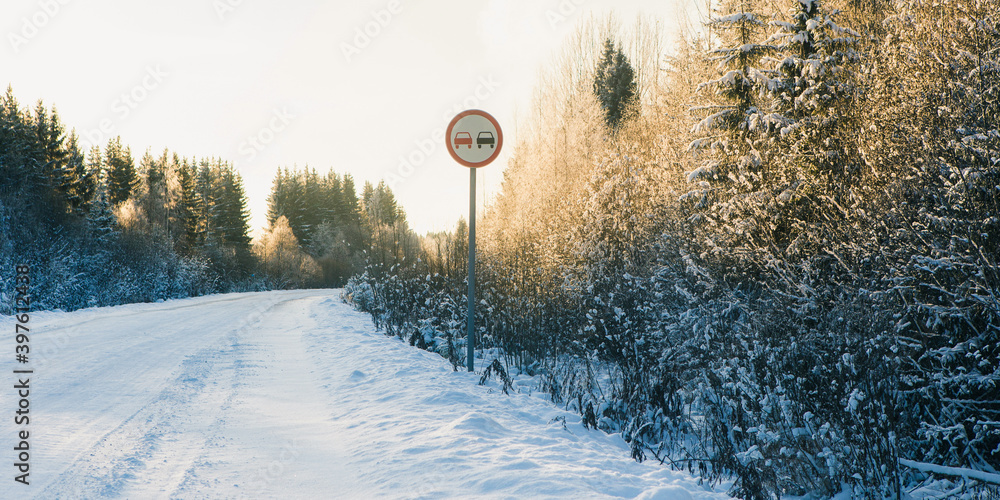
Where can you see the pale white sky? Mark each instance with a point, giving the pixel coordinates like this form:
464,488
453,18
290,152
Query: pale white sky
358,86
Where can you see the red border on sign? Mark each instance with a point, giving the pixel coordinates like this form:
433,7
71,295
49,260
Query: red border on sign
451,147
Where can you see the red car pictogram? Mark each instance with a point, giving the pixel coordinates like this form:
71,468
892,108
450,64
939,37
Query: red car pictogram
463,138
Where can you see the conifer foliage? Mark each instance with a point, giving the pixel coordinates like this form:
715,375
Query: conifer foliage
614,84
121,174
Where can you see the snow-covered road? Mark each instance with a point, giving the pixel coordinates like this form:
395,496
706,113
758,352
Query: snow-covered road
288,395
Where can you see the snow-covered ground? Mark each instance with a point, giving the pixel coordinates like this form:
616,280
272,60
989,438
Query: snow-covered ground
289,395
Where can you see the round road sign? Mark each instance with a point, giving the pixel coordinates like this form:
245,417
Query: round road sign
474,138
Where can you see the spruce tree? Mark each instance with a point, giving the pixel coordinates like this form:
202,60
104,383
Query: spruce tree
333,199
350,218
189,210
94,178
288,199
47,175
232,217
276,200
123,179
733,159
312,211
79,180
813,140
100,216
154,199
50,137
203,176
352,206
614,84
67,173
813,90
16,166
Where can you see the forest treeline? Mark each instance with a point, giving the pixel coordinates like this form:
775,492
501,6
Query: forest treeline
770,257
99,228
320,233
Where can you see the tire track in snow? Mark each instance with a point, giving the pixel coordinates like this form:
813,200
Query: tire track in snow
156,441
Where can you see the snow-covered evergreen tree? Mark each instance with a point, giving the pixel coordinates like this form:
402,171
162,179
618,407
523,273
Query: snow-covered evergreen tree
812,119
81,183
189,209
232,217
122,177
614,84
733,163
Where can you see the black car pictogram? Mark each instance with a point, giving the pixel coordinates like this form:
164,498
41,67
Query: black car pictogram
486,138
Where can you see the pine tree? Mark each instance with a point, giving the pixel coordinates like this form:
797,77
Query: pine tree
731,150
189,209
100,216
17,170
121,173
352,206
155,192
232,217
350,217
814,90
50,137
79,181
614,84
333,199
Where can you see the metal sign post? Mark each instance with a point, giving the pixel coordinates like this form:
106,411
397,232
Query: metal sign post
470,330
473,128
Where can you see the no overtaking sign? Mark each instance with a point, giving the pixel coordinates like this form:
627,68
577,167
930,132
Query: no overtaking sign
474,138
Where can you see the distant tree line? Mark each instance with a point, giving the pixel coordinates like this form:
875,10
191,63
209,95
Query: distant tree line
99,229
770,257
321,233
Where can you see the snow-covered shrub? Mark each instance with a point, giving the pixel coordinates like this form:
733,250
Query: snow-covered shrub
360,293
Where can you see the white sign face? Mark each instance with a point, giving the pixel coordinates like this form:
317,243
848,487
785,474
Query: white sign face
474,138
